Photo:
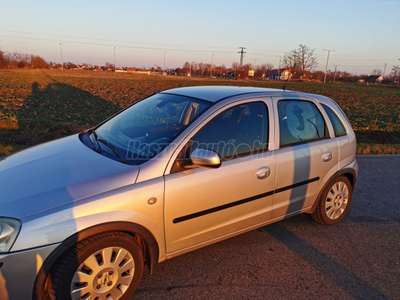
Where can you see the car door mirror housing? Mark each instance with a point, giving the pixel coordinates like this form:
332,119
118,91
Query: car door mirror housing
205,158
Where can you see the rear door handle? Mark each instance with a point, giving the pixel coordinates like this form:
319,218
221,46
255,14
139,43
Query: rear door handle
263,172
327,156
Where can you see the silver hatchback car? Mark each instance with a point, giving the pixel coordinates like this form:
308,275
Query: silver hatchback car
81,216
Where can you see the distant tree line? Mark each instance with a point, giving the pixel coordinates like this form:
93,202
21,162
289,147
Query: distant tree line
15,60
300,62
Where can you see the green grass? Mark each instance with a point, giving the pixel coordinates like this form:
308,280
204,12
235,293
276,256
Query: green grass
40,105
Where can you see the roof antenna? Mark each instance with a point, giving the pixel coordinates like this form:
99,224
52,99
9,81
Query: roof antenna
284,86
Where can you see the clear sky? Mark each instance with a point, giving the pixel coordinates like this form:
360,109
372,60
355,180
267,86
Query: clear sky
364,34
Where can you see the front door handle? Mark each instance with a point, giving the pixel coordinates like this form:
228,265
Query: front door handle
327,156
263,173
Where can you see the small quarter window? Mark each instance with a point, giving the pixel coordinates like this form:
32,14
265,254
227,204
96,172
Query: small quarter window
338,126
299,122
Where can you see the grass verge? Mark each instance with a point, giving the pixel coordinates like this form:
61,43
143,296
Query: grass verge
41,105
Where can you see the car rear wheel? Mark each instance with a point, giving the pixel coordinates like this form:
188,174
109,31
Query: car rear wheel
105,266
334,202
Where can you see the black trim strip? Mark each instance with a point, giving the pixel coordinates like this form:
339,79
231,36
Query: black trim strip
243,201
289,187
222,207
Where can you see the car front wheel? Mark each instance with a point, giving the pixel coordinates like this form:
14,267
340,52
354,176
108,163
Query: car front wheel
105,266
334,202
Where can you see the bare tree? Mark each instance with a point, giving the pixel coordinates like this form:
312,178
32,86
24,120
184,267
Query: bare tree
38,62
290,60
3,60
109,66
236,69
186,68
20,60
194,66
301,60
377,72
201,68
235,65
308,59
261,69
395,73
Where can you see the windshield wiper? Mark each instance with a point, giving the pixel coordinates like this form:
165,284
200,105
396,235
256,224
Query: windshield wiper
98,150
115,150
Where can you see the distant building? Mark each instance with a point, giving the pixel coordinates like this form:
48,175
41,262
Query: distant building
136,71
282,74
374,79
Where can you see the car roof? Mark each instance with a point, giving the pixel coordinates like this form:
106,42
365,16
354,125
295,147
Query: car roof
217,93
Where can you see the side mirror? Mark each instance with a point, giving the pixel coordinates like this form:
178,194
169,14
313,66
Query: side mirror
205,158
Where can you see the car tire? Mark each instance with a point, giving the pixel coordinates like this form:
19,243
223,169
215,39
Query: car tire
334,201
107,265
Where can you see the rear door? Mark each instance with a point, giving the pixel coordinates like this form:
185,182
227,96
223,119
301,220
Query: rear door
306,155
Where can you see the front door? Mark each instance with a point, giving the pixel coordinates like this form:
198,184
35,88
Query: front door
203,205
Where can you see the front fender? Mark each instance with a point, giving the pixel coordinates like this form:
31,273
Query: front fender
127,204
131,228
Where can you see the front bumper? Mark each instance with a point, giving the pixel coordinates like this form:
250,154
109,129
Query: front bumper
18,271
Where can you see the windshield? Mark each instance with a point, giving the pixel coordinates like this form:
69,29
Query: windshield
143,130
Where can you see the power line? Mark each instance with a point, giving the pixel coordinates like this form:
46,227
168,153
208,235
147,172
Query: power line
121,46
108,40
263,51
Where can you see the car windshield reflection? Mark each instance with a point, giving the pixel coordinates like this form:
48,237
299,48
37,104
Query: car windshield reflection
143,130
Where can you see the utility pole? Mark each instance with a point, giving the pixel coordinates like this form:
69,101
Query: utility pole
164,60
334,76
115,62
254,67
279,68
327,61
62,63
241,55
212,56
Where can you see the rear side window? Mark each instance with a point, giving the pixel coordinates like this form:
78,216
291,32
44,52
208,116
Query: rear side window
338,126
299,121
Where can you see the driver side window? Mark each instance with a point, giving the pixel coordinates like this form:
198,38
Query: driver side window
236,132
239,131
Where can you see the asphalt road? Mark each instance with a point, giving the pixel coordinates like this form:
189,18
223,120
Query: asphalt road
298,258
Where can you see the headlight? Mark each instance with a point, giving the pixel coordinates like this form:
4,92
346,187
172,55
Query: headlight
9,229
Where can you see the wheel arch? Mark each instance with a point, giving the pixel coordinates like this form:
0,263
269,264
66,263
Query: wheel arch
141,234
349,173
